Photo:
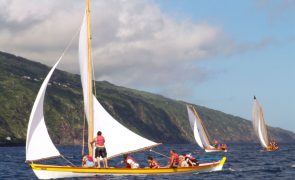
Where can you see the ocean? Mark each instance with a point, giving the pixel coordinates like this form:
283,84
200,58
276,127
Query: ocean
244,161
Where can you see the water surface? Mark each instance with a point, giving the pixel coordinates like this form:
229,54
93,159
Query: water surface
244,161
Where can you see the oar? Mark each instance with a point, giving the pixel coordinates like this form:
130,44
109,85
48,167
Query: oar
159,153
68,160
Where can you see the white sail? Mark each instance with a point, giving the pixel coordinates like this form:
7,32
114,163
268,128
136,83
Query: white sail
198,129
259,123
114,132
193,124
83,54
39,145
119,139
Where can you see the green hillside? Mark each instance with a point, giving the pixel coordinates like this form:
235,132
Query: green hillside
152,116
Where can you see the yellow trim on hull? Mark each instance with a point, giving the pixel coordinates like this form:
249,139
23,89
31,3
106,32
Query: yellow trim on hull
214,166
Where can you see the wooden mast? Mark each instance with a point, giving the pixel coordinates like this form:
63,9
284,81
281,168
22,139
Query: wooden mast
89,61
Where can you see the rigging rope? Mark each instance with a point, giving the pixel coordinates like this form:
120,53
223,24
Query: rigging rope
83,134
70,43
68,160
66,49
93,78
159,153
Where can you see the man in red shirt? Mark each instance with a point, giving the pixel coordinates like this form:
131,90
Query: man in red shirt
174,159
100,150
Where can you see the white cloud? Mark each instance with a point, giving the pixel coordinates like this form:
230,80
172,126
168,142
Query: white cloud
135,44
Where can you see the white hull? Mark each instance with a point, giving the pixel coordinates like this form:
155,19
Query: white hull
56,175
215,150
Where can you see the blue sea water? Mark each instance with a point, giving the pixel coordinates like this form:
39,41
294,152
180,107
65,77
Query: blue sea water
244,161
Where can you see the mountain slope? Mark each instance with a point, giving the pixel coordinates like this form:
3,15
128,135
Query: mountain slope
152,116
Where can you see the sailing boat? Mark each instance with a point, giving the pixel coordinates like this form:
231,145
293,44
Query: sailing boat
200,132
260,127
39,145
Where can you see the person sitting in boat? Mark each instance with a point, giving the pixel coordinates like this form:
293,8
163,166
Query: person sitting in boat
100,150
87,161
152,163
182,162
215,143
174,159
273,145
223,146
192,161
130,162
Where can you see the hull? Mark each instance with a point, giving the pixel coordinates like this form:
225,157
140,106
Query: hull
215,150
271,149
53,172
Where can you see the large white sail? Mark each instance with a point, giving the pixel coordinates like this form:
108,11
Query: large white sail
119,139
198,129
259,123
39,145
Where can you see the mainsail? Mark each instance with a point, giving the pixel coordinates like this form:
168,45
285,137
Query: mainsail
84,69
112,130
259,123
193,123
198,128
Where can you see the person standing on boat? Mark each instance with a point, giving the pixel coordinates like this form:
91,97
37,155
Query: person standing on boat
100,150
174,159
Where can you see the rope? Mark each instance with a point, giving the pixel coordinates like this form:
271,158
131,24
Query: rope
68,160
83,136
70,43
63,53
159,153
93,78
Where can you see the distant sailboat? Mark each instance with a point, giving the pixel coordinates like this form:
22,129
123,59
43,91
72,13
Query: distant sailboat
200,132
260,127
39,145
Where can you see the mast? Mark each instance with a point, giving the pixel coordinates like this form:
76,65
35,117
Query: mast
89,62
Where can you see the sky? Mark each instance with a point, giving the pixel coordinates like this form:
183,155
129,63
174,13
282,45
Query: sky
212,53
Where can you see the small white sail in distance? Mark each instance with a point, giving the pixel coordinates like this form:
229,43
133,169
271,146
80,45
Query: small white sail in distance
198,128
193,124
259,124
119,139
38,144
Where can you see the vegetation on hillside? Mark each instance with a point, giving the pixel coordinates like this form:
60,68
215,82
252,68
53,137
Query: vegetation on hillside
152,116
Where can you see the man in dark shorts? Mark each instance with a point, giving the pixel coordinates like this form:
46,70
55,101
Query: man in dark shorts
100,150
